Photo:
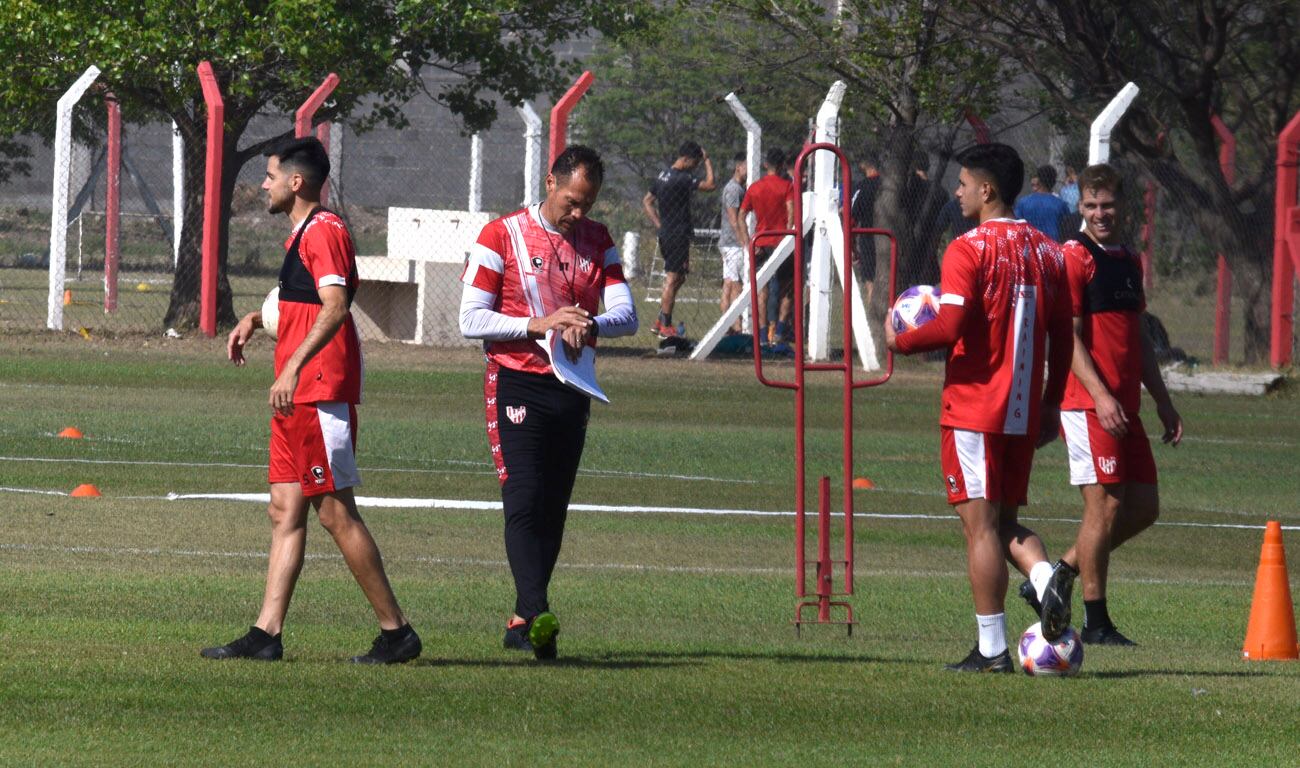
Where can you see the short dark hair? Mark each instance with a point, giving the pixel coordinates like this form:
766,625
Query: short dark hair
690,149
920,160
1000,162
1101,176
306,156
775,157
1046,176
579,156
870,156
739,157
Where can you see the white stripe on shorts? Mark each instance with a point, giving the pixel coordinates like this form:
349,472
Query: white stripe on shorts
970,454
336,431
1079,447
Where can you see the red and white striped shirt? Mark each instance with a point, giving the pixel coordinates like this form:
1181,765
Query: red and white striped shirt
527,268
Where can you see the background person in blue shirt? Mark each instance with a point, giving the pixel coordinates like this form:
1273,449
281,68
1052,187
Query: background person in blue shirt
1043,210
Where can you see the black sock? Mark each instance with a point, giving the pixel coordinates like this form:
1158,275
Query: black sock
397,634
665,318
1095,615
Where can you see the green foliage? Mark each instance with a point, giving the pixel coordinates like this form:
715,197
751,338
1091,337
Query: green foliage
665,84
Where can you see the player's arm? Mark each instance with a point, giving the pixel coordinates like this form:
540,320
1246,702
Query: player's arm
708,184
1155,384
648,205
737,224
333,311
1109,413
1060,355
957,281
743,214
241,334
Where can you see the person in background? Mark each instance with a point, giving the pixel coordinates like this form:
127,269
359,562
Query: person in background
668,206
730,237
1043,210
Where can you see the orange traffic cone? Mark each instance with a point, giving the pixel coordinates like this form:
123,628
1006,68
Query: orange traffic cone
71,432
1271,632
863,484
85,490
67,298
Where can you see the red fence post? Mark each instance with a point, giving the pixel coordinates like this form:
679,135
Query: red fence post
1223,289
211,199
560,115
303,117
1285,256
113,205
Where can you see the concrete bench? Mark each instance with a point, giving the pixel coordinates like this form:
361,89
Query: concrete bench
413,293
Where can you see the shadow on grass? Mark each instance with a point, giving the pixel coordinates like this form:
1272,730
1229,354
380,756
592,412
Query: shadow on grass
783,657
620,660
564,662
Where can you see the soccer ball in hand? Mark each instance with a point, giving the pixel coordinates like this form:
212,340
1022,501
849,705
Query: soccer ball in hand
1040,657
914,308
271,312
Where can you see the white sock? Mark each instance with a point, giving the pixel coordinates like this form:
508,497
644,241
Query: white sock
1039,576
993,634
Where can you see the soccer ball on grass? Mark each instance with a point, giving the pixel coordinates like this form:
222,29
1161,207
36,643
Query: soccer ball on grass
1040,657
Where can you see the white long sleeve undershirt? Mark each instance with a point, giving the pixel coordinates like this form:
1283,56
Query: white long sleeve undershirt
478,319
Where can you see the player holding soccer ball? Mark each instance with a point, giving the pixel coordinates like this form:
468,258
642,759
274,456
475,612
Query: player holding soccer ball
1110,456
1004,297
314,419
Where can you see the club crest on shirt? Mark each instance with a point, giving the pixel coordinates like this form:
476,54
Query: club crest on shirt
516,415
537,262
952,484
1106,464
584,264
318,474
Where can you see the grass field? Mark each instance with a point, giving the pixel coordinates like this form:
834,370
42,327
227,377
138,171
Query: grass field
677,647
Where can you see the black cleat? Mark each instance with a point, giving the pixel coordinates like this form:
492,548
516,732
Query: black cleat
256,644
400,650
978,662
1056,600
516,638
1030,596
542,630
1107,635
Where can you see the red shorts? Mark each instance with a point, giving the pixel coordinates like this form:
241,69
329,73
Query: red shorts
1098,458
984,465
315,446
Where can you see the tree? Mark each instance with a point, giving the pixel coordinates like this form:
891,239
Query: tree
911,77
1239,59
274,53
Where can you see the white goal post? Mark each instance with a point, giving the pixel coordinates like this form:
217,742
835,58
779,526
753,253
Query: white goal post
59,201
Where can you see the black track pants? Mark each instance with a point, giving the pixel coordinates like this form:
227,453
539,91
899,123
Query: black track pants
536,427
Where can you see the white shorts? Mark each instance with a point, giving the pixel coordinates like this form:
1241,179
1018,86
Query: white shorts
733,263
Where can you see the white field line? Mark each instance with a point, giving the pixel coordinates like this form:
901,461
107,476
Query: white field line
473,505
463,562
487,470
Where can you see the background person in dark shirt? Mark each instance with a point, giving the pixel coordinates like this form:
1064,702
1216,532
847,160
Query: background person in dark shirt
668,206
1043,210
863,207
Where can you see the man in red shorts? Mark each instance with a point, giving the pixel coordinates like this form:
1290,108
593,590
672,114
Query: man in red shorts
1004,310
1110,455
314,421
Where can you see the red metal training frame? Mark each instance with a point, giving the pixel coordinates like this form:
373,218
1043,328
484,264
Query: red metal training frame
824,590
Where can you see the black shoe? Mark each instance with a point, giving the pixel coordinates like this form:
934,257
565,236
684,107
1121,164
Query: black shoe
1106,635
392,651
542,630
978,662
516,638
256,644
1056,600
1030,596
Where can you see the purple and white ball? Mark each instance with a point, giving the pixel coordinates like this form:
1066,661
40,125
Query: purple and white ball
1042,658
915,307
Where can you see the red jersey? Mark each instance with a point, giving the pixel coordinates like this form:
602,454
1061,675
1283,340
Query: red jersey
1106,292
529,267
334,374
1011,279
767,198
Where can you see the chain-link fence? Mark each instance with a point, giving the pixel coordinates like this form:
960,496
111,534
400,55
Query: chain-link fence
415,199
